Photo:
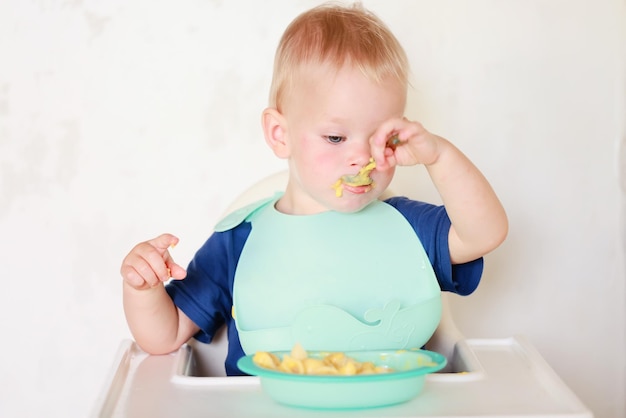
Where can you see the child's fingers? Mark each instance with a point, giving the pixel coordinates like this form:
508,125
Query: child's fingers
139,274
132,277
153,264
176,271
163,242
409,149
173,270
385,140
149,263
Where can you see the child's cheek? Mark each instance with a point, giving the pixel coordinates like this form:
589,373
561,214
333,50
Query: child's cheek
318,156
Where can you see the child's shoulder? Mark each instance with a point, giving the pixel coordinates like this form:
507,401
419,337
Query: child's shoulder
416,209
403,202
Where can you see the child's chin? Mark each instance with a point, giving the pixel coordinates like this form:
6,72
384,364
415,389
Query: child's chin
353,205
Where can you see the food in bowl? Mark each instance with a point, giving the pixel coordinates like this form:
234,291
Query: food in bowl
403,380
332,363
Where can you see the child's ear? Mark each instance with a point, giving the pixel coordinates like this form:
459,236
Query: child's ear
274,129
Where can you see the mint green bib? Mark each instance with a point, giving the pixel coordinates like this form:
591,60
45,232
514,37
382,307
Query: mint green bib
333,281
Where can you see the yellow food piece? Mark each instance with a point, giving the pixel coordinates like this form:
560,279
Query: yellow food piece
291,365
336,360
362,178
298,352
317,366
265,359
349,369
298,362
338,186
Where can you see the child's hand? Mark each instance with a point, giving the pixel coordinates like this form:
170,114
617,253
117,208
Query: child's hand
149,263
416,146
479,222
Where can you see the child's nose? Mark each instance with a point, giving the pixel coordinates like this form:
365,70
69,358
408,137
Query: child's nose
360,153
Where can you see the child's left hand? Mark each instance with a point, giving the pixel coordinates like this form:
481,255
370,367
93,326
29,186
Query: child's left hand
478,221
416,146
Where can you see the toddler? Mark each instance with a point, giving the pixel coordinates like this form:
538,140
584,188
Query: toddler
326,263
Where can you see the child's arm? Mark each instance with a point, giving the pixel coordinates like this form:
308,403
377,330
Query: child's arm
479,222
157,325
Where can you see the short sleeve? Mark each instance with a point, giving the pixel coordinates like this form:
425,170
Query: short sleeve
432,226
205,295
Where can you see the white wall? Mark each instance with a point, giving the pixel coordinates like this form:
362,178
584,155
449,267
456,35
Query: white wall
121,120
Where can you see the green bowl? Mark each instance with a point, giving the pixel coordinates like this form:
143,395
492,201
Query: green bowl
350,392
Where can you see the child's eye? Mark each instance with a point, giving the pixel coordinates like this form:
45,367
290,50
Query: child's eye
335,139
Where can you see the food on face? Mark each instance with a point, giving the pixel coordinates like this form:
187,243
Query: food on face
299,362
362,178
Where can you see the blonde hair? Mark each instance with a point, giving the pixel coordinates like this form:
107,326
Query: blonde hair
337,35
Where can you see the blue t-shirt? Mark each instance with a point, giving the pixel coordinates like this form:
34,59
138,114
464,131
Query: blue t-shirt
206,294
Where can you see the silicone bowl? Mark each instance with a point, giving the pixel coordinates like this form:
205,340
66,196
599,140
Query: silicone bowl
350,392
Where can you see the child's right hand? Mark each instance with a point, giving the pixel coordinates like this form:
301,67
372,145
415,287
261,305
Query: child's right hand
149,263
417,145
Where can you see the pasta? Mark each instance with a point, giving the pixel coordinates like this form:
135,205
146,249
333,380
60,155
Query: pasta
362,178
299,362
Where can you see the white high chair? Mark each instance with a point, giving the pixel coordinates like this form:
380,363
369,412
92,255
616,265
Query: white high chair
483,377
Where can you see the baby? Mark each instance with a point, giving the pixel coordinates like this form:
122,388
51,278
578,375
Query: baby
332,271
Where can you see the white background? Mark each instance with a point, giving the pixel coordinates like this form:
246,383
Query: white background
121,120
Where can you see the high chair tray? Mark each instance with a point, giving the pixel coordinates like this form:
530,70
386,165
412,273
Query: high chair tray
489,377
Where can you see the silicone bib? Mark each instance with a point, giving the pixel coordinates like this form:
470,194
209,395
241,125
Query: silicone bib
334,281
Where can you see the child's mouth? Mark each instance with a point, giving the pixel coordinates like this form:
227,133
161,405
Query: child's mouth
358,183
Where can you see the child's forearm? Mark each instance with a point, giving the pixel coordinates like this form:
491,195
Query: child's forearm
479,222
152,318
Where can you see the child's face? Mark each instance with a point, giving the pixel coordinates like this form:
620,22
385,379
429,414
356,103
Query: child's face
329,118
